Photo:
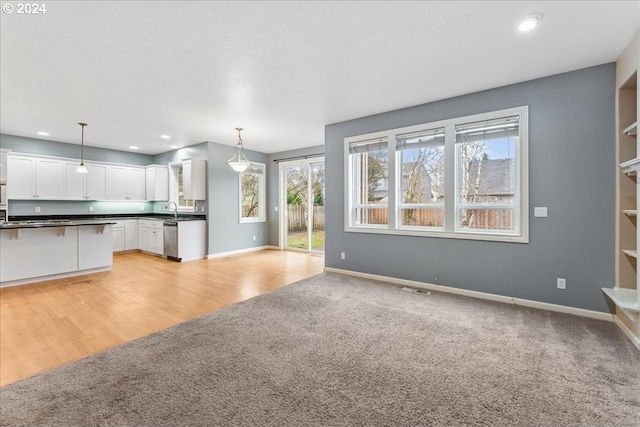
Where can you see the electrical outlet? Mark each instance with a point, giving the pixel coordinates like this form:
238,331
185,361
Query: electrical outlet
142,207
540,212
562,283
343,255
276,208
254,238
37,208
90,208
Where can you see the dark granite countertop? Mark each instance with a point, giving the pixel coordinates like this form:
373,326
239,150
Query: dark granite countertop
53,223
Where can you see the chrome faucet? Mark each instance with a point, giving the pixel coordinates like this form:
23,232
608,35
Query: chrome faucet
175,210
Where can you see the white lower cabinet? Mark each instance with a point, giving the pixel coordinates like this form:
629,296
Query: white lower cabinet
150,236
125,235
118,236
130,234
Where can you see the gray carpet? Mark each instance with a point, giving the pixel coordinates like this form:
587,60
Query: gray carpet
334,350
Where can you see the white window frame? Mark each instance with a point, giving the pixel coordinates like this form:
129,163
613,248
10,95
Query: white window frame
451,205
174,185
262,211
351,184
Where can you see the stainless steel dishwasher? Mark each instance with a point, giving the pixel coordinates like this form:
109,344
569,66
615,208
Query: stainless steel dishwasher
170,236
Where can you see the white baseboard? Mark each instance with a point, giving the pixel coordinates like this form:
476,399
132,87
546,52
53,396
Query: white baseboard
239,251
482,295
19,282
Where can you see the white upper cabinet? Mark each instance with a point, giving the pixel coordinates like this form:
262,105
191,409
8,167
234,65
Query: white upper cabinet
135,184
125,183
89,186
3,165
157,182
116,182
34,178
49,183
96,182
21,177
74,182
194,171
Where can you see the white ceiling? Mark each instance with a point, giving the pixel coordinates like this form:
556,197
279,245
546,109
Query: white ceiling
195,70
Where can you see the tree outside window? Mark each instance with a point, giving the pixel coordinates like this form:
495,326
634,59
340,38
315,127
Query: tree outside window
252,193
370,177
464,177
422,181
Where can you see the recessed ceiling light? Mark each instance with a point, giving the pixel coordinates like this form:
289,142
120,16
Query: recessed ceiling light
529,22
165,137
133,147
174,146
43,133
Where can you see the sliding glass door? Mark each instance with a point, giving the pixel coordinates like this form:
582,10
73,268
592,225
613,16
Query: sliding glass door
302,201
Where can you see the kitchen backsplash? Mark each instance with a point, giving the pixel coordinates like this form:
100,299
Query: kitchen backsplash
52,207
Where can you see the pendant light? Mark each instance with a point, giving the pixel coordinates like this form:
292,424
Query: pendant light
239,162
82,168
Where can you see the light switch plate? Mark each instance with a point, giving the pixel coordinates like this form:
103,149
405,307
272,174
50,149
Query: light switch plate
540,212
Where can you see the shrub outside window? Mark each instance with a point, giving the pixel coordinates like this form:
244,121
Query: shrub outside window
464,178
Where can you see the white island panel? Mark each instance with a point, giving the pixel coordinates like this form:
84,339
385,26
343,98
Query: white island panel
95,246
37,252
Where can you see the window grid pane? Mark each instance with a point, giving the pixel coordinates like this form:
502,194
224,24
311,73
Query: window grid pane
486,166
421,159
370,195
252,193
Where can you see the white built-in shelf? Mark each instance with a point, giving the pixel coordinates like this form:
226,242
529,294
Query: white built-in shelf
631,167
632,130
630,212
626,299
631,252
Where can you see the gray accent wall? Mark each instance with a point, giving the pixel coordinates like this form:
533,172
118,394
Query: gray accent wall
226,233
273,189
571,171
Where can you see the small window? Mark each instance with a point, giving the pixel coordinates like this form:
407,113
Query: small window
252,193
176,187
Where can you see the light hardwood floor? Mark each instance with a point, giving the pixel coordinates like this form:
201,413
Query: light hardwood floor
48,324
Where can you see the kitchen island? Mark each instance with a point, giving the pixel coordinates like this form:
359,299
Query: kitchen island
32,251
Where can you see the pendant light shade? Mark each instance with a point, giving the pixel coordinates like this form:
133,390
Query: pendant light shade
239,162
82,168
